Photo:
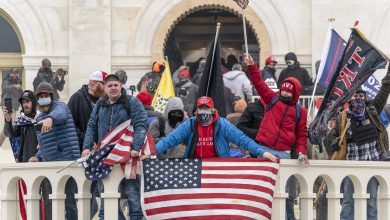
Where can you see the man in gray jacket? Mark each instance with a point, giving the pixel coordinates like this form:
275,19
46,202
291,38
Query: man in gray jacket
172,118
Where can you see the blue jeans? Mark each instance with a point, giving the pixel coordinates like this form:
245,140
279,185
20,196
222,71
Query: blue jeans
70,201
347,210
290,185
131,188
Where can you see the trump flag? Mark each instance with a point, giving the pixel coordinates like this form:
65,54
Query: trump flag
212,188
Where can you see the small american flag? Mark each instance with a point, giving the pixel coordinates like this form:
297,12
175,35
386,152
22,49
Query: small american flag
115,148
213,188
242,3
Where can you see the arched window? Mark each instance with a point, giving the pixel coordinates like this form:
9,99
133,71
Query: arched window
9,41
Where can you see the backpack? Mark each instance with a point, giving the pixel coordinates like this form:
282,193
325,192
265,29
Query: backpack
297,108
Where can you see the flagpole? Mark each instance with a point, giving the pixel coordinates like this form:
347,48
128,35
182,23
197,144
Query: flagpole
245,35
330,20
212,57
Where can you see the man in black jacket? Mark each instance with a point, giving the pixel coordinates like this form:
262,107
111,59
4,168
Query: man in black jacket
81,102
250,119
295,70
22,131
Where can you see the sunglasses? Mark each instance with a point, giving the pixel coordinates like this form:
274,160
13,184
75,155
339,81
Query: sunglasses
289,62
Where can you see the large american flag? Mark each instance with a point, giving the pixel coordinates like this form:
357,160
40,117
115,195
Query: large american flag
115,148
214,188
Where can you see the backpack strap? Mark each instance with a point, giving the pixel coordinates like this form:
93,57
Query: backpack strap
126,104
161,126
297,108
272,103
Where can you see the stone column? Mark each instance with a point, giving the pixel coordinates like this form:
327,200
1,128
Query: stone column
83,205
306,201
334,207
360,200
58,206
8,206
110,204
32,206
89,40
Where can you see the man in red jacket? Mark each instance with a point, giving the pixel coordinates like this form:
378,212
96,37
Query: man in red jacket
281,128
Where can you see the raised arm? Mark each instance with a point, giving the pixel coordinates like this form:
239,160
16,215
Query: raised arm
257,80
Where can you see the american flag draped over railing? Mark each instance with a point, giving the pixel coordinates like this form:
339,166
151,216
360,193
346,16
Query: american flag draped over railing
115,148
218,188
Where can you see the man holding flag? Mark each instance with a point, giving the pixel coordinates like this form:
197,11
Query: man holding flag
109,112
358,134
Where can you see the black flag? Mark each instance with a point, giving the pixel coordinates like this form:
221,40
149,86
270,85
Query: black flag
359,61
211,83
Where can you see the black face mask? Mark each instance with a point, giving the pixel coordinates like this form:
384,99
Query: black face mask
175,117
286,100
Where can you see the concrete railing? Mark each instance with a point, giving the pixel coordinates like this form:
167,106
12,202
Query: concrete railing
332,171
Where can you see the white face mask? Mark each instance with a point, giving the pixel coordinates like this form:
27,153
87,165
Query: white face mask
44,101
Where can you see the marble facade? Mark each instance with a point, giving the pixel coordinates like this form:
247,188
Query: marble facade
85,35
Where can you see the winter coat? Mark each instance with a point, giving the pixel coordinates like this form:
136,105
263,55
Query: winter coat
298,73
81,105
279,128
250,119
224,132
28,139
61,142
112,115
238,83
173,104
191,87
373,109
9,91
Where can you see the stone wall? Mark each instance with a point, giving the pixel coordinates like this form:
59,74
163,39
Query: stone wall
83,36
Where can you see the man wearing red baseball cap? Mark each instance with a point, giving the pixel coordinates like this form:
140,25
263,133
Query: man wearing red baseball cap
207,135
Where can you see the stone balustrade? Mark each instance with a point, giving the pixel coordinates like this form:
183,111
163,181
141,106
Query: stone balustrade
332,172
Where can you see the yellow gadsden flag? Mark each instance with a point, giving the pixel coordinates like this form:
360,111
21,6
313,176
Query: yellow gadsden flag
164,90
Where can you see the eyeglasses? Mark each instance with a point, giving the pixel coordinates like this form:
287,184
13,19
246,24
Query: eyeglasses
358,96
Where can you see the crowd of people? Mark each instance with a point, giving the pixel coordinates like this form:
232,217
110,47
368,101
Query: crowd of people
273,127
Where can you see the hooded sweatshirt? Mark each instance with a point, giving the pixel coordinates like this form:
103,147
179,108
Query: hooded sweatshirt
238,83
279,129
174,103
24,128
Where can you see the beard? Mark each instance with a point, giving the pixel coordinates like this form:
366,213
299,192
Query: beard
98,91
44,108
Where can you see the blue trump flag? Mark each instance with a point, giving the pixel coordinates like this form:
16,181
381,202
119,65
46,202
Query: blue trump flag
334,52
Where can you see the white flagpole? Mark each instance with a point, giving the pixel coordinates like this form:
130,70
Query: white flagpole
245,35
322,64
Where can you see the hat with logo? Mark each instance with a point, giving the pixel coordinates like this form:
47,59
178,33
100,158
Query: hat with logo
205,100
287,86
